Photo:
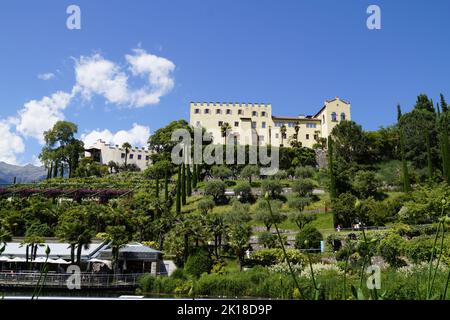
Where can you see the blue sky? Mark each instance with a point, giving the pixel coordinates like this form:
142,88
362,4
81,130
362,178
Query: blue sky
293,54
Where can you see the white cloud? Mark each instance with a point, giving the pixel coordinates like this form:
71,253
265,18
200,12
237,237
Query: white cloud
11,144
46,76
137,136
37,116
96,75
158,72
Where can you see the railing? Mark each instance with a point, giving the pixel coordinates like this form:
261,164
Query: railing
57,280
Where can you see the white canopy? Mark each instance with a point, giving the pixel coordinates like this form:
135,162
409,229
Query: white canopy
60,261
17,259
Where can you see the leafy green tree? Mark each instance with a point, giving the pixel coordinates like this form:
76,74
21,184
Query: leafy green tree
270,240
249,171
306,172
74,227
418,126
273,187
238,236
303,187
216,189
308,238
198,263
391,249
349,142
244,192
299,217
264,216
221,172
61,148
366,184
161,141
344,210
205,205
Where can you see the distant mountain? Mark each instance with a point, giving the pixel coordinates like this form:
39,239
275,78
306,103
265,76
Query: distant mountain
23,174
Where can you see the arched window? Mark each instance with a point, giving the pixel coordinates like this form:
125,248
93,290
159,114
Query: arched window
333,116
342,116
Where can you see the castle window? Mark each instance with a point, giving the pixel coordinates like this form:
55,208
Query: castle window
254,114
220,123
139,157
228,111
342,116
254,125
239,111
147,158
131,156
218,111
206,111
307,137
333,116
263,125
236,124
263,114
197,111
122,155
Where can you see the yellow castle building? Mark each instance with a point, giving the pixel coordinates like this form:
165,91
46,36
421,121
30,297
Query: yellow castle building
254,123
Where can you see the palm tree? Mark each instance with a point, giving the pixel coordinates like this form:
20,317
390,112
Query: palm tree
224,129
84,240
283,134
127,147
112,166
270,135
296,128
119,238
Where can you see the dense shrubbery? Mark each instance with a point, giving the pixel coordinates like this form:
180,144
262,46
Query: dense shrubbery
198,263
267,257
308,238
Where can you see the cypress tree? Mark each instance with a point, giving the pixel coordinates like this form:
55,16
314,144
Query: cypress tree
429,157
445,147
194,176
405,173
178,199
333,192
50,171
157,188
189,181
55,170
166,185
183,185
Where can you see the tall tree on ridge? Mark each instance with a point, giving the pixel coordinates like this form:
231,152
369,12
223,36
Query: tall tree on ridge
405,173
